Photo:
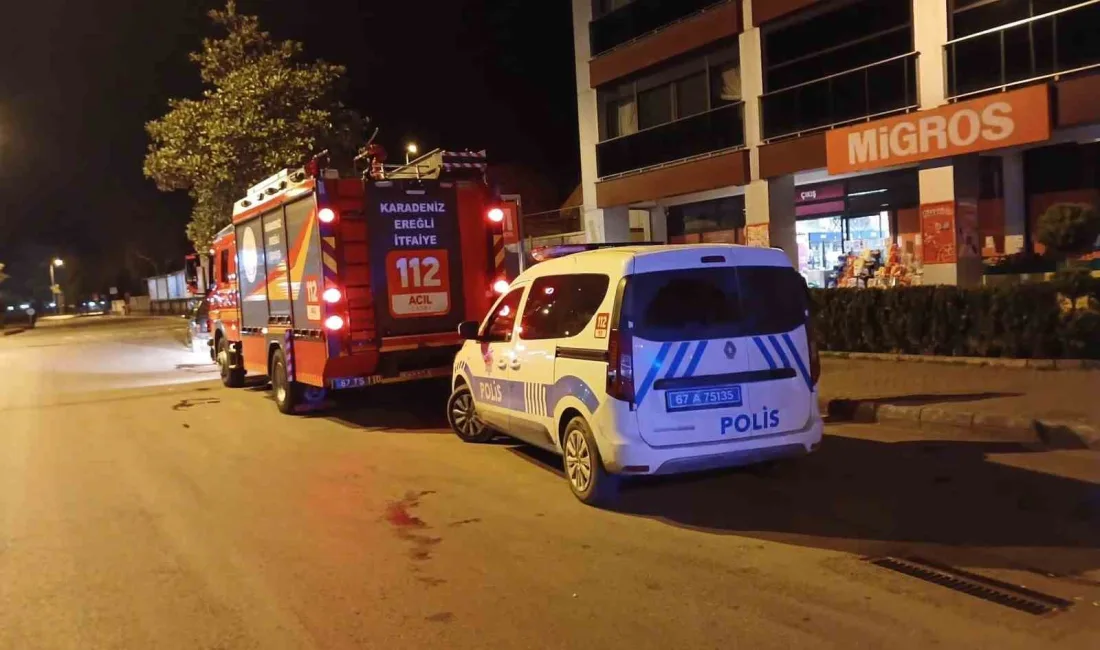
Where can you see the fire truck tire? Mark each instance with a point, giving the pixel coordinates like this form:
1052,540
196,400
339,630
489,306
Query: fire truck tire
462,416
231,377
286,393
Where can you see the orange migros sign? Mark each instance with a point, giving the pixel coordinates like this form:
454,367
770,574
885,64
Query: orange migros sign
991,122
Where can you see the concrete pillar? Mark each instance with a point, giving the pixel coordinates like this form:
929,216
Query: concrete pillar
930,30
769,203
769,215
1015,201
593,218
951,244
609,225
658,224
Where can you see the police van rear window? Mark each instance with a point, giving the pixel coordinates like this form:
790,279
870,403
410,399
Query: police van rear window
708,303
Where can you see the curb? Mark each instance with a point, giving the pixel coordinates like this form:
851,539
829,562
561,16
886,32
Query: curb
1052,433
995,362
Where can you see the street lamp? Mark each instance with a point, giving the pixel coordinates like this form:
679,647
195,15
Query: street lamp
56,262
411,150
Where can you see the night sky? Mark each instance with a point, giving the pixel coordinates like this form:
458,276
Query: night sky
80,79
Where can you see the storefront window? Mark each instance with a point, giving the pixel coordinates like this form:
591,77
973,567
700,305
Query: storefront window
825,242
720,220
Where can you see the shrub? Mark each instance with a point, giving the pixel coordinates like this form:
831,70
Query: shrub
1023,321
1069,228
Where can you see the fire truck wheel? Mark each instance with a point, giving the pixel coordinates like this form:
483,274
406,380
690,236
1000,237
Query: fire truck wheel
231,377
462,416
286,393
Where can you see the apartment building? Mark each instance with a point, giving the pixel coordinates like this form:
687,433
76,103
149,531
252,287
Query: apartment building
829,126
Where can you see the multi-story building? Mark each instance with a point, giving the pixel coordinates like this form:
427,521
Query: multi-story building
829,126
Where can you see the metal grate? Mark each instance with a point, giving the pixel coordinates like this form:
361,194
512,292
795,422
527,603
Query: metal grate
995,591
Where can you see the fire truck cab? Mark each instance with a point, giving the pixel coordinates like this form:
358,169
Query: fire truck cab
324,283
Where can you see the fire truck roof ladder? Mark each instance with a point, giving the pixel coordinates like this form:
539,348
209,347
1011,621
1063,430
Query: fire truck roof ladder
438,163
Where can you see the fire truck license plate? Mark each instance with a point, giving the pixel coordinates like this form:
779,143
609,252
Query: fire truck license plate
348,382
419,283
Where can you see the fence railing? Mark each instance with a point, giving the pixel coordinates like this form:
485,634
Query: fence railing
1056,43
552,223
870,91
639,18
715,130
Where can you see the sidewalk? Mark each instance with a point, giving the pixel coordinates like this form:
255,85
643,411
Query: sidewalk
1049,404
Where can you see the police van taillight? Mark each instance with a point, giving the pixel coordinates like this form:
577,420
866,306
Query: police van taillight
620,365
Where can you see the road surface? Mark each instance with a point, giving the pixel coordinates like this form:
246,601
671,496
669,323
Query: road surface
144,506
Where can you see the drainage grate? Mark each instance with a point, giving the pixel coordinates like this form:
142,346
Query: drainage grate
995,591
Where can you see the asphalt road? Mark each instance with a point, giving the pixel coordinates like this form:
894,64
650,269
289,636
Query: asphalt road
144,506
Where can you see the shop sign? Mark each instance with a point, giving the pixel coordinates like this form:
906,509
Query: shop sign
1002,120
819,193
937,227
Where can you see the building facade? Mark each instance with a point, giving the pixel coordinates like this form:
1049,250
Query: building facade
826,127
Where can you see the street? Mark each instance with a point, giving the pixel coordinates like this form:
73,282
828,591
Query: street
143,505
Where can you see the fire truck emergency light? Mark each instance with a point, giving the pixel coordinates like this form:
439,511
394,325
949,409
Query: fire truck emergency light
496,215
334,322
500,286
331,295
326,215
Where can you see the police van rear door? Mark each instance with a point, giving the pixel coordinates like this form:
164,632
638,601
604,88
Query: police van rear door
416,257
719,345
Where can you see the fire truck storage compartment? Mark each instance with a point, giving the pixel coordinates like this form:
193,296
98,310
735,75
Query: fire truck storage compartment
307,278
252,276
416,257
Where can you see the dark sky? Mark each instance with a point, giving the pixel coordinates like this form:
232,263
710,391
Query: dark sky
80,79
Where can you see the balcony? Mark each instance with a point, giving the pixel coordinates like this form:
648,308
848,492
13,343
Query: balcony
863,93
715,130
639,18
1056,43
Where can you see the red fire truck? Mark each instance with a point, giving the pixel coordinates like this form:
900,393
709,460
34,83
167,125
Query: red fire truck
323,282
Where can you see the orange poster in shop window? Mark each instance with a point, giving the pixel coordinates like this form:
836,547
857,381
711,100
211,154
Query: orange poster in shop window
757,234
937,227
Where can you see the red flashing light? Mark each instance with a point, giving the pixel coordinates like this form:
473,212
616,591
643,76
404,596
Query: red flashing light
334,323
496,215
327,215
500,286
332,295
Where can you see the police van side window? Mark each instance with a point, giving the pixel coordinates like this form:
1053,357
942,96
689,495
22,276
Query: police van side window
500,325
561,306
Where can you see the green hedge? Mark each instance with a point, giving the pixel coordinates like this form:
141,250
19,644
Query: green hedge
1021,321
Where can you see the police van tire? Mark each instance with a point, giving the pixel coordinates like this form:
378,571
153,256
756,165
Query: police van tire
584,469
231,377
286,393
462,416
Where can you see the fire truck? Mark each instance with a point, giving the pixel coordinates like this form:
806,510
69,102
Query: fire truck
324,282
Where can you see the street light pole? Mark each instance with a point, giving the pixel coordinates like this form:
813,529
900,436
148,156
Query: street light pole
58,297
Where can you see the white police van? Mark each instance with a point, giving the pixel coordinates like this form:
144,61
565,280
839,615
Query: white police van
637,360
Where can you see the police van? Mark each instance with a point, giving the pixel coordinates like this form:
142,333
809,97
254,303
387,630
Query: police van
639,360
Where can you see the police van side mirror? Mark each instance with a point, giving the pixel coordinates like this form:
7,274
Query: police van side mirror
468,330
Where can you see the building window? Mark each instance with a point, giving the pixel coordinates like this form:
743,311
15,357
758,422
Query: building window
719,220
654,107
604,7
725,83
621,118
691,95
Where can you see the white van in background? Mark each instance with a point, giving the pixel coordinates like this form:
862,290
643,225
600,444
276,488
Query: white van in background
640,360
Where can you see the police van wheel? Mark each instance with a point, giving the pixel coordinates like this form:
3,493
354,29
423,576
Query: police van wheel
584,469
231,377
286,397
462,416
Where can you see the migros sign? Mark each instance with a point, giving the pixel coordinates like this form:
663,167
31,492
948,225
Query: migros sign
1002,120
